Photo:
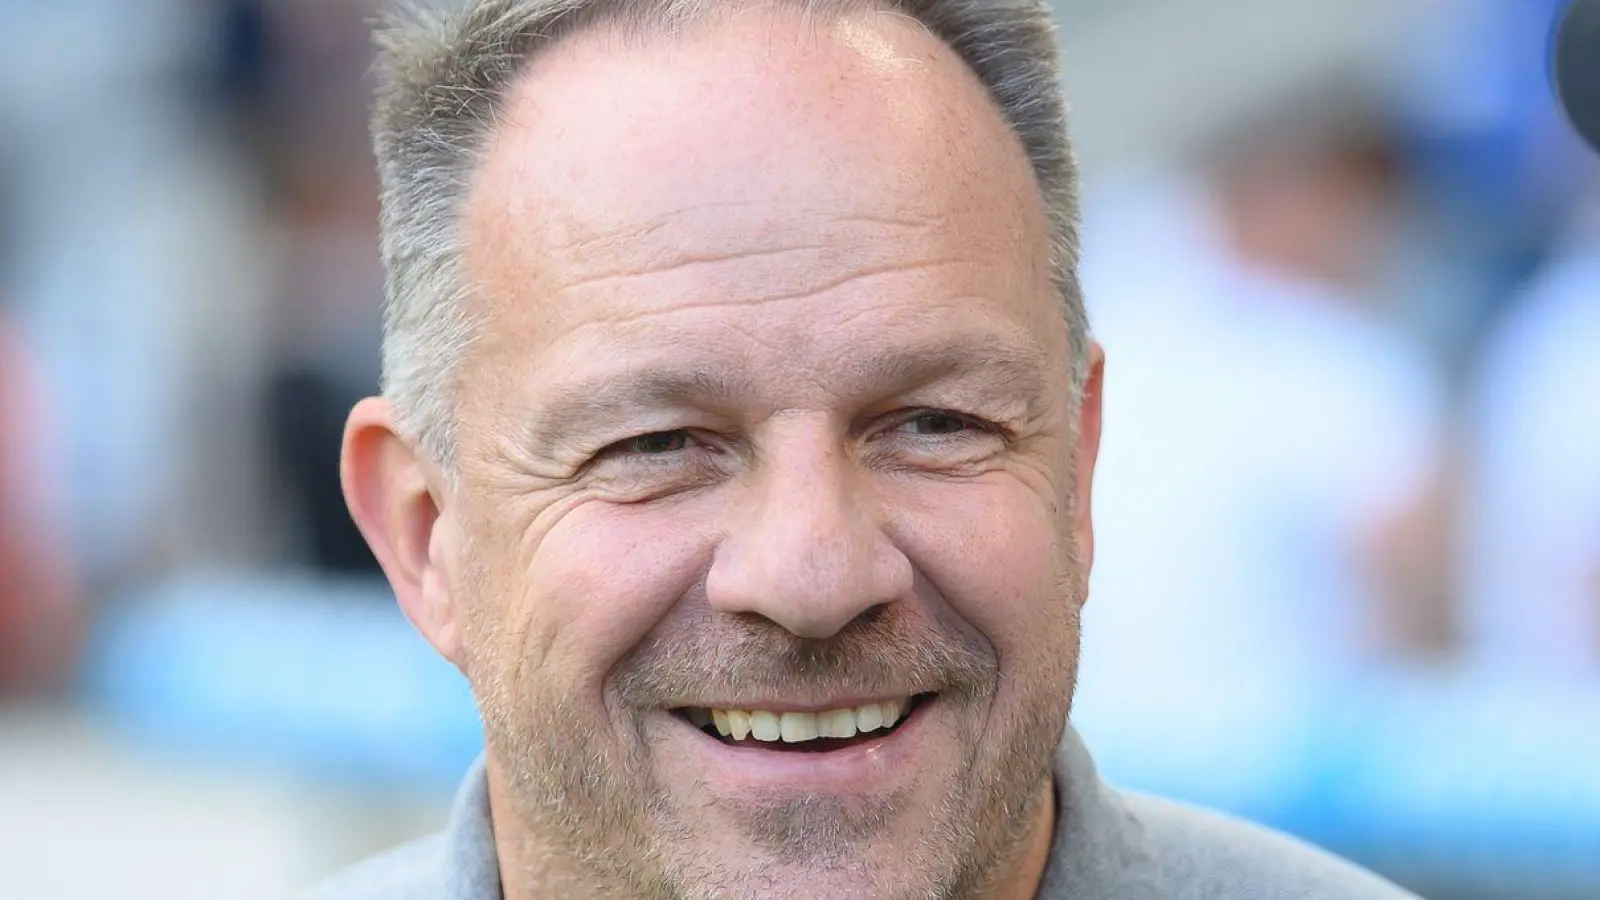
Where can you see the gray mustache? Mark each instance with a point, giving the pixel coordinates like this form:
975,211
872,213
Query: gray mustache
709,656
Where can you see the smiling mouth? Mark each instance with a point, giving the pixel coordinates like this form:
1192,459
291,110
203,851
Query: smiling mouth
804,732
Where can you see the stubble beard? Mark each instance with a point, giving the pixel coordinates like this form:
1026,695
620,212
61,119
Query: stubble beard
597,823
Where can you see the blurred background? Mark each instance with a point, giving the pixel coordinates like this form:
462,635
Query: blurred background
1345,259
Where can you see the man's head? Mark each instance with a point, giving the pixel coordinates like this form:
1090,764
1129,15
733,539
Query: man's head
737,381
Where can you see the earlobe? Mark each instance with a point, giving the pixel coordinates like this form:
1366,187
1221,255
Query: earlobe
394,495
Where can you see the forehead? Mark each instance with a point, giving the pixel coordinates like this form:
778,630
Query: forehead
752,160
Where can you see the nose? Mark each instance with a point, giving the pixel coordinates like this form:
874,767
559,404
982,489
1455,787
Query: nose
806,548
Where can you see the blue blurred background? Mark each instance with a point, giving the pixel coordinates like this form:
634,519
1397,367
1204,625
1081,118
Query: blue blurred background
1344,256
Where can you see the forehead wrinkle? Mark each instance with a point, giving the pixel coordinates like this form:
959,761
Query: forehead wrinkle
679,239
680,263
577,232
805,290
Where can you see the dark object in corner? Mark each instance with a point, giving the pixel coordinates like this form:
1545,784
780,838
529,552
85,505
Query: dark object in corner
1575,66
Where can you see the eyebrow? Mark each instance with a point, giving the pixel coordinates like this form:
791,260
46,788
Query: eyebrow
1004,369
1013,369
579,406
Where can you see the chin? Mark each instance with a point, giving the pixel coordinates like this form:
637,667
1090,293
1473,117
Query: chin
862,873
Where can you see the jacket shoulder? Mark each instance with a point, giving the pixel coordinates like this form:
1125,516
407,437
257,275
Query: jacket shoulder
1208,856
413,871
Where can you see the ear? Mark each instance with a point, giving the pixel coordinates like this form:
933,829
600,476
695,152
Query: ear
396,497
1087,452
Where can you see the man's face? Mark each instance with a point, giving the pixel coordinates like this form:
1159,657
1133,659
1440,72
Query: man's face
768,436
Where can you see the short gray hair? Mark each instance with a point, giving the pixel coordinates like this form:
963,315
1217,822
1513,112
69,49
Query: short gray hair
443,72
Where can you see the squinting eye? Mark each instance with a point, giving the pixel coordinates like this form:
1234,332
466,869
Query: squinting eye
936,423
657,444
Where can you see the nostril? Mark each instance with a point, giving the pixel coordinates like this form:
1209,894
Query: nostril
872,615
814,629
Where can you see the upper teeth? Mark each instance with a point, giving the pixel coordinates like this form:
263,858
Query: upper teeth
794,727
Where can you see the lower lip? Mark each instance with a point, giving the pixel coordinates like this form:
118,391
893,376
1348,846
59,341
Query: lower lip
865,767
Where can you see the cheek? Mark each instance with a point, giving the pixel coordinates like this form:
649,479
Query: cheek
599,580
998,555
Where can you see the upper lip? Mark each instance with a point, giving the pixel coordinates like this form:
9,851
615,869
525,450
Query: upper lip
802,706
